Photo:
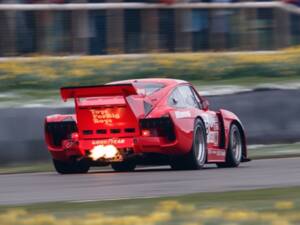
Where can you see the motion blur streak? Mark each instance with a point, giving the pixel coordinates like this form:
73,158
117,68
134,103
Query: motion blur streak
106,152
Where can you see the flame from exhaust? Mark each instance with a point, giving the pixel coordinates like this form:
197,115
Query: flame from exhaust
104,151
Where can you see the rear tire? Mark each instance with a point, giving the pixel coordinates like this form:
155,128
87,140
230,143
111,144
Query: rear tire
125,166
197,156
235,148
71,167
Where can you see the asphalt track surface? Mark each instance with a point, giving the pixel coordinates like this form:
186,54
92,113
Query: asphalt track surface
146,182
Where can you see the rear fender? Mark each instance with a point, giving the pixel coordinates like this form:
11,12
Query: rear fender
183,132
57,128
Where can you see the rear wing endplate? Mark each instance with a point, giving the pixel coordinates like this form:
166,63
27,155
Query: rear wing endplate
97,91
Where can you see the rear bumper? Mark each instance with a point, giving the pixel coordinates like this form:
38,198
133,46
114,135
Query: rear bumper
134,145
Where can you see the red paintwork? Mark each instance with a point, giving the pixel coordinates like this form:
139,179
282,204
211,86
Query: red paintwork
118,106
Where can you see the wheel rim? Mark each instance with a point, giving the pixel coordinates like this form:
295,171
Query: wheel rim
236,145
200,147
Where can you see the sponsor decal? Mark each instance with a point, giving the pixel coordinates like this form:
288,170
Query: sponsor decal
67,144
104,116
212,137
217,152
206,123
212,128
182,114
109,142
211,122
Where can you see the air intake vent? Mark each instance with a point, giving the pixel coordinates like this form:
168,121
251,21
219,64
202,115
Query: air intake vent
87,132
162,127
115,131
101,131
129,130
59,131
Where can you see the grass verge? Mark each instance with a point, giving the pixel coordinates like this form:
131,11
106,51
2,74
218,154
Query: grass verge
274,151
280,206
40,77
26,168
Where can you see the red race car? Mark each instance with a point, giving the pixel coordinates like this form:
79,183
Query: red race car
144,121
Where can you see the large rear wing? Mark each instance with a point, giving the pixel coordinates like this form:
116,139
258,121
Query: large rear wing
97,91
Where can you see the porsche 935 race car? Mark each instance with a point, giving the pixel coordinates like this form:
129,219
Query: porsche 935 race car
144,121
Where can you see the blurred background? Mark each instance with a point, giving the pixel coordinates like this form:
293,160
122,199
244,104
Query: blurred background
142,30
242,55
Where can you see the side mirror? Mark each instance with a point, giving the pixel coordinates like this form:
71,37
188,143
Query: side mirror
174,101
205,105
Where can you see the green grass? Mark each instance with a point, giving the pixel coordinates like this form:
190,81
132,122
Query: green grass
274,151
39,78
26,168
266,206
261,199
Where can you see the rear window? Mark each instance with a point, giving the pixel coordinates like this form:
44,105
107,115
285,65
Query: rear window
146,88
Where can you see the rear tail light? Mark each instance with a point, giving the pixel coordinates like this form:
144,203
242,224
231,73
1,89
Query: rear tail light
146,133
158,127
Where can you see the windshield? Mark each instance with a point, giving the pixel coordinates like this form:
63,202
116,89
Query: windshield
146,88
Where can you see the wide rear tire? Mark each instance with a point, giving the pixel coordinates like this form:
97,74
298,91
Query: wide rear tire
71,167
125,166
235,148
197,156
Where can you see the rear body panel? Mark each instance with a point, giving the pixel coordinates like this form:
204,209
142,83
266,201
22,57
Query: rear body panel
100,121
